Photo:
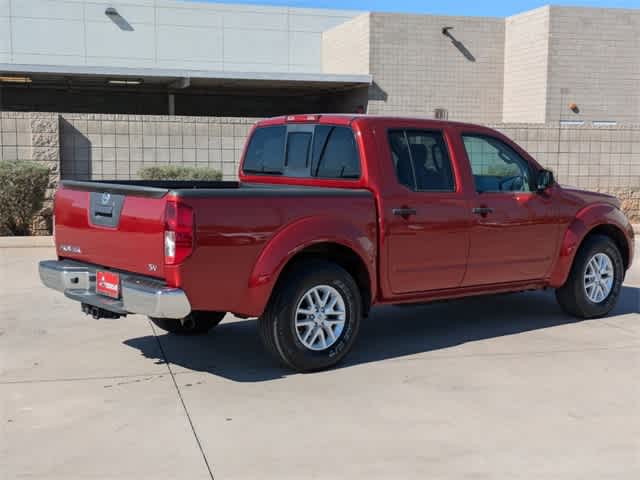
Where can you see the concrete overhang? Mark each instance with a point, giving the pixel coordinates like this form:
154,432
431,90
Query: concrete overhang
179,78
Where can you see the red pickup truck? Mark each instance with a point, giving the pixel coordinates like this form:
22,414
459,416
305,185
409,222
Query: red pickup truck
334,214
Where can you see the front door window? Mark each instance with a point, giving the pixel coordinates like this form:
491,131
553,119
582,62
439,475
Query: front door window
496,167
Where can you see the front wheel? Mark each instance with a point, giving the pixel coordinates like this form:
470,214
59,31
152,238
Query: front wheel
196,323
595,280
313,317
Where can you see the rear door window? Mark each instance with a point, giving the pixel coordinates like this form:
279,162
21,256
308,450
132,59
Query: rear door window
324,151
421,160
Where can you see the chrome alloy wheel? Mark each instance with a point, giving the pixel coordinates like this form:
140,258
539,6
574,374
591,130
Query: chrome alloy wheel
320,317
598,277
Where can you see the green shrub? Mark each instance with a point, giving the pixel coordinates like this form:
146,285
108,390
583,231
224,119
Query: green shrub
23,186
177,172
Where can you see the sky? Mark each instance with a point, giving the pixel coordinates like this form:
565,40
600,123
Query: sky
488,8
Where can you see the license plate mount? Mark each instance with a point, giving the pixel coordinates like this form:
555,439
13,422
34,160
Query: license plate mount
108,283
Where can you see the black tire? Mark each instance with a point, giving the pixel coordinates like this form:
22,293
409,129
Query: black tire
196,323
277,324
572,296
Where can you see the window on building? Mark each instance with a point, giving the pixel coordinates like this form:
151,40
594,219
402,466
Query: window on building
421,160
496,167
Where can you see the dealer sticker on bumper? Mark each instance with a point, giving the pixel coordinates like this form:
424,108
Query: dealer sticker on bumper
108,283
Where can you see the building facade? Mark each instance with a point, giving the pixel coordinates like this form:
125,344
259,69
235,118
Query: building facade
209,59
165,57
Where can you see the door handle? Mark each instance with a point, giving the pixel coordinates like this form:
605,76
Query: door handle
404,211
483,211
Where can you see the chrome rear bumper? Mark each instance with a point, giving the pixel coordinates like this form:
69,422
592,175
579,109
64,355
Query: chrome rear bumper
139,294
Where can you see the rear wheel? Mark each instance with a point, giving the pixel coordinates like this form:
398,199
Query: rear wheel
595,280
313,317
196,323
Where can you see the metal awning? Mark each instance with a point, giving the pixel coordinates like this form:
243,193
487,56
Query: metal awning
180,78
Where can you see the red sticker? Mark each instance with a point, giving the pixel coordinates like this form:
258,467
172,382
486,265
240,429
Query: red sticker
108,283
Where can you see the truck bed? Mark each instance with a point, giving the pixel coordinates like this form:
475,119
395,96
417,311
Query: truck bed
234,226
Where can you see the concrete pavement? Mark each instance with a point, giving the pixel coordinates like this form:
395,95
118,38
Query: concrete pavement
500,387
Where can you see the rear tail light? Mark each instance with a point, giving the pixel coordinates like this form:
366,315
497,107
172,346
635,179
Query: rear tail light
178,232
53,217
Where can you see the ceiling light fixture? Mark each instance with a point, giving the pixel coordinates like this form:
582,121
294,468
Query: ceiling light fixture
122,81
11,79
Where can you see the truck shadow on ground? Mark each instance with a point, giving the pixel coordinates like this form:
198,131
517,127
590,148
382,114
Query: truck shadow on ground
233,350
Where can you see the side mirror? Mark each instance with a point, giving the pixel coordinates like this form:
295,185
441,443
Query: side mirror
545,180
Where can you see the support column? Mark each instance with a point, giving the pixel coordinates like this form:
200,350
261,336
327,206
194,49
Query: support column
172,104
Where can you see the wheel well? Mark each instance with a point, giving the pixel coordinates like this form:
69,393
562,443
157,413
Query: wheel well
343,256
618,237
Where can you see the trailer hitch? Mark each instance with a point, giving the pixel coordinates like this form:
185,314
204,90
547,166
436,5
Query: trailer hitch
97,312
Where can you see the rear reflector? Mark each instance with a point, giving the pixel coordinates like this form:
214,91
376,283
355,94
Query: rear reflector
178,232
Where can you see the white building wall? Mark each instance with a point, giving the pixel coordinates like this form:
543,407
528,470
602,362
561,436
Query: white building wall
165,34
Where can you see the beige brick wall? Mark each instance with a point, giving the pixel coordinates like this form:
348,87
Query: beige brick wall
598,158
595,54
31,136
345,48
117,146
416,69
35,137
15,134
525,66
522,64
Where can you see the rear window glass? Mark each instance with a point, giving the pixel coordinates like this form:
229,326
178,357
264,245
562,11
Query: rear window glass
265,153
324,151
338,157
298,150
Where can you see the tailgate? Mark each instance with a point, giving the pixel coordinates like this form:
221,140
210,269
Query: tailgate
120,226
